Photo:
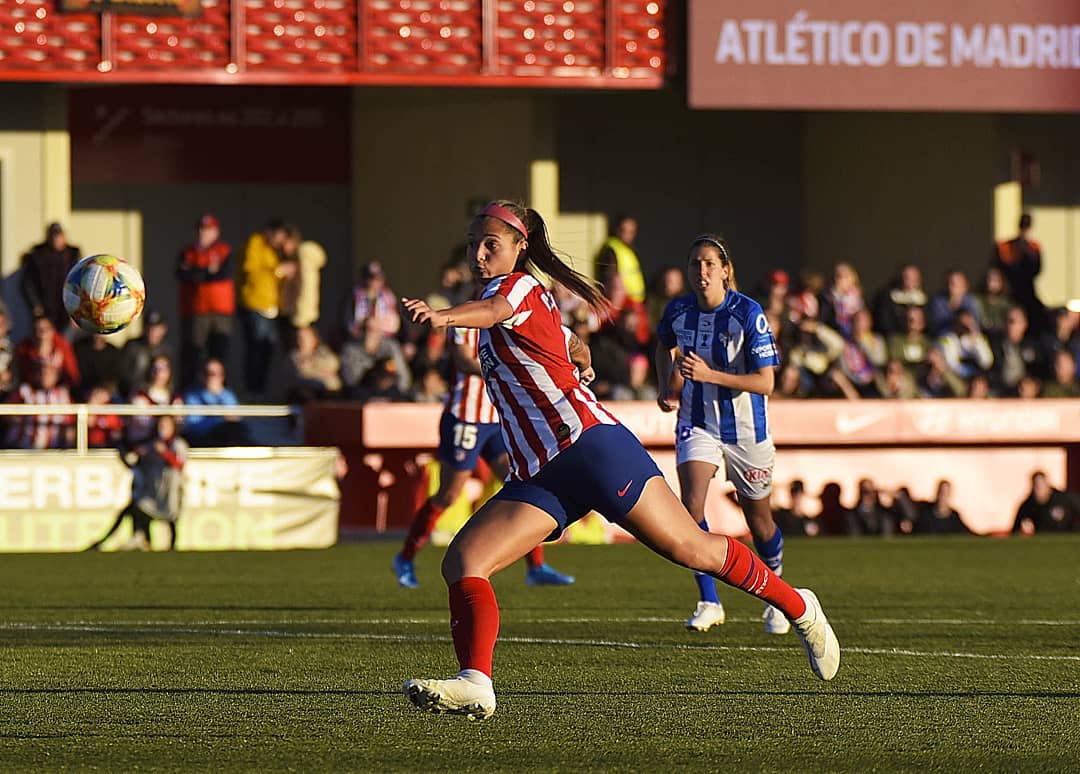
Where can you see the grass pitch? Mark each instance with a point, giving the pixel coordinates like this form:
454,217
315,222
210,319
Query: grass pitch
959,654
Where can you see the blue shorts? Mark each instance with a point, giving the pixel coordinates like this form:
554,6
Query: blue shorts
461,444
605,470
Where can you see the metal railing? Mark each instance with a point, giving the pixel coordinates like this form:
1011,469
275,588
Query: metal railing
83,411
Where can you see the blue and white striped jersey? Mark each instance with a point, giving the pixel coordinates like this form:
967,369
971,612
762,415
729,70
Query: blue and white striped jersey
734,337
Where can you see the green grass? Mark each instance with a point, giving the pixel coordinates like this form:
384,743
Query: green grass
294,661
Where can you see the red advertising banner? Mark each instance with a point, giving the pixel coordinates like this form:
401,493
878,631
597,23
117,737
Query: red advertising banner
978,55
141,134
804,423
987,449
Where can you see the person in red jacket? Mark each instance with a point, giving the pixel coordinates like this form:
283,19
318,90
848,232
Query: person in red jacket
46,347
207,298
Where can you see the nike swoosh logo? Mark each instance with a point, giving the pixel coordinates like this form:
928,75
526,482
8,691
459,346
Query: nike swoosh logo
626,488
846,425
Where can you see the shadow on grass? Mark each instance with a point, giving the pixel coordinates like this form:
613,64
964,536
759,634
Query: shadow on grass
192,691
199,608
823,691
538,694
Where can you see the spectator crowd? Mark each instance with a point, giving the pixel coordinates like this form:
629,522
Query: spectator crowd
836,339
883,512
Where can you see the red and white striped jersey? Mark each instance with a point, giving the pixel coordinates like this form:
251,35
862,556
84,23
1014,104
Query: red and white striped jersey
468,400
40,431
543,407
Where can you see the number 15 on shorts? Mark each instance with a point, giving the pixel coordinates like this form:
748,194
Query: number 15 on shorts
464,436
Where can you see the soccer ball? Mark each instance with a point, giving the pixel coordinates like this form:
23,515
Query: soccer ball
103,293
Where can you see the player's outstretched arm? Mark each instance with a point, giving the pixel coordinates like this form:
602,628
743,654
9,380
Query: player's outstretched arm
485,313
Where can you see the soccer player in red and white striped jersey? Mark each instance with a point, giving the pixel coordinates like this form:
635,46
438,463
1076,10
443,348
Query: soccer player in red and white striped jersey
468,400
468,430
43,431
533,382
569,456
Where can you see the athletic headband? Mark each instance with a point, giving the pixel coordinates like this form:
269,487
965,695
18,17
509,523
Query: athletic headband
506,215
715,243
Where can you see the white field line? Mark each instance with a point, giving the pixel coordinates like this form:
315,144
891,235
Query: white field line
442,620
278,634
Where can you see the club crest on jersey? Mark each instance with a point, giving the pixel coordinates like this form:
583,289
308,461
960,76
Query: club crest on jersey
704,340
487,360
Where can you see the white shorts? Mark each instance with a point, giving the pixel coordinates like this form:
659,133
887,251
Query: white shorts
748,466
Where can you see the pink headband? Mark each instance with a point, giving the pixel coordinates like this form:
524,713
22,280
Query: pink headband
504,214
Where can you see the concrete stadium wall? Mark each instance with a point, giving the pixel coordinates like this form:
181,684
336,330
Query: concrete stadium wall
882,189
683,172
420,156
35,187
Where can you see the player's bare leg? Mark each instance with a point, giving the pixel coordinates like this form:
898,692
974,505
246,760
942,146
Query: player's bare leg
695,476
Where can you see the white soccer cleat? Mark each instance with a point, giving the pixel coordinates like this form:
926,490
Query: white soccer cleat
706,615
775,621
469,693
818,638
137,542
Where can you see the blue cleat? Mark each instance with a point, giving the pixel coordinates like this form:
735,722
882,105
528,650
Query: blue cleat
406,574
546,575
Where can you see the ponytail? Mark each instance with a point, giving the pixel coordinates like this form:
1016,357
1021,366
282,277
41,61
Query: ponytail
712,240
540,256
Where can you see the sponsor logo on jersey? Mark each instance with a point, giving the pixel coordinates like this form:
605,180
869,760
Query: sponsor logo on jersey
487,360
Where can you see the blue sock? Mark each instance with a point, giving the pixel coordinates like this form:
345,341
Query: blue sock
771,551
706,583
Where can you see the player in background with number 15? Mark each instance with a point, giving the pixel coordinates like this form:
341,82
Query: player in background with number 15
469,429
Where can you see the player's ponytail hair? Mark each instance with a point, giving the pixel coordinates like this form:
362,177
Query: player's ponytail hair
713,240
540,256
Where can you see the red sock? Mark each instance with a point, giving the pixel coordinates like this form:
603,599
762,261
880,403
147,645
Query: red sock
420,529
744,570
474,622
535,558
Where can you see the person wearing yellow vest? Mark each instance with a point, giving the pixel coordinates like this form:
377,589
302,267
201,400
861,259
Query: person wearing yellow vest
617,256
260,302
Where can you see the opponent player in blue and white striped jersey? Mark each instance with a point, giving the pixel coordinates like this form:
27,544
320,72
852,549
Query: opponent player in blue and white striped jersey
723,348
